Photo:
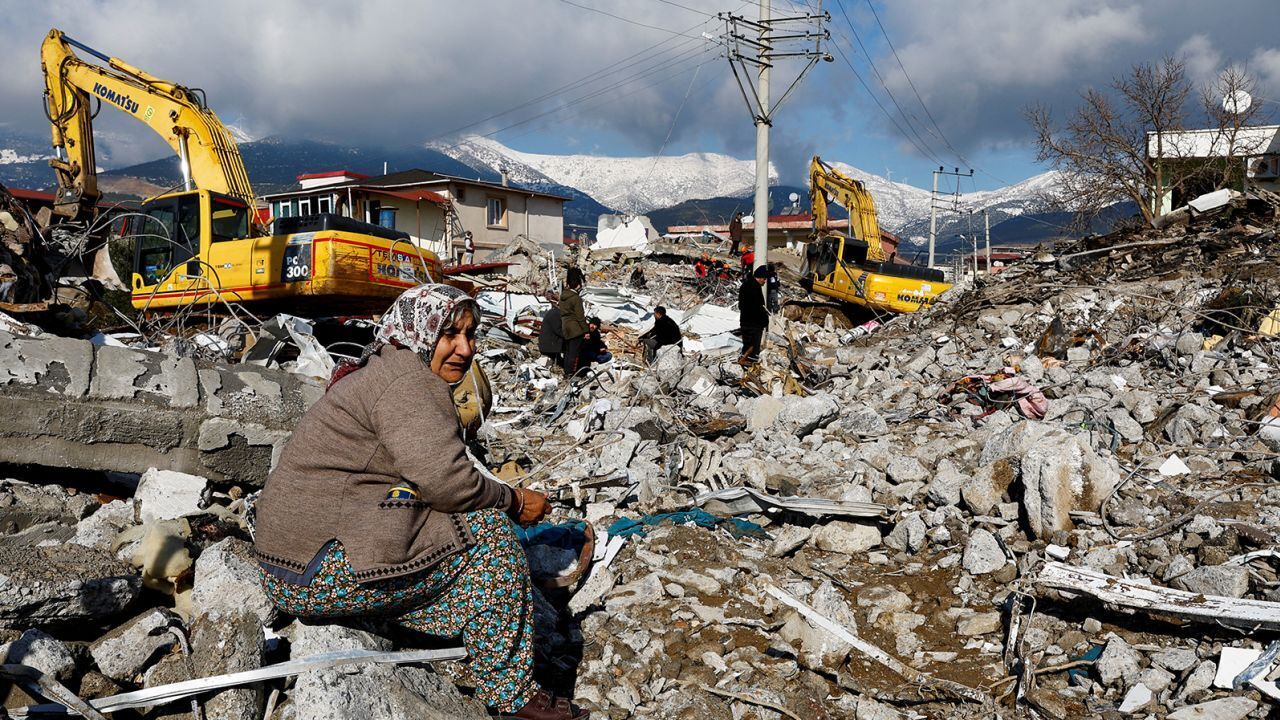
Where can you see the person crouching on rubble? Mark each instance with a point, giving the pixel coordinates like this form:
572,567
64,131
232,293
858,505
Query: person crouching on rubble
375,510
593,348
664,332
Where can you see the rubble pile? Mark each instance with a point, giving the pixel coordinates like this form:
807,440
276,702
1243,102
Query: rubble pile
1052,496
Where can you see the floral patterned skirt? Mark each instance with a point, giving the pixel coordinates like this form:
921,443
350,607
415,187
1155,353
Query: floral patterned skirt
482,594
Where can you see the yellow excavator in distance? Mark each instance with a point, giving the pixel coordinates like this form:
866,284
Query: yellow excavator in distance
855,269
202,243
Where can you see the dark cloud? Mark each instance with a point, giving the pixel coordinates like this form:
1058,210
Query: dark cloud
979,63
389,72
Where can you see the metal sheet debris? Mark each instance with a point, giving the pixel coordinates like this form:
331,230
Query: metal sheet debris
1135,595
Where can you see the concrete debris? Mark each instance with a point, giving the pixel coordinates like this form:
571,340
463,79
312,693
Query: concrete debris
881,538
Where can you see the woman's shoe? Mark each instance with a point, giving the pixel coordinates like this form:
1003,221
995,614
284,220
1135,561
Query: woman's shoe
545,706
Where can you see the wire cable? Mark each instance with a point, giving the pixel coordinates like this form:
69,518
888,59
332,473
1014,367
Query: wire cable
628,20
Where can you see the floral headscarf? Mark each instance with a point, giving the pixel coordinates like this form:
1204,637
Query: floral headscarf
415,321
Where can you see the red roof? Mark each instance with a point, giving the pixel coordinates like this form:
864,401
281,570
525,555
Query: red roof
31,194
332,174
410,194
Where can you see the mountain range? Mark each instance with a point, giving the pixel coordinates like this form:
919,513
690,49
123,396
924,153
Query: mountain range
680,189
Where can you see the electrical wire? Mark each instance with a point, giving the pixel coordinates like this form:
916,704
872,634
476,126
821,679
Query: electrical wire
627,20
879,78
912,84
923,152
694,54
587,79
686,7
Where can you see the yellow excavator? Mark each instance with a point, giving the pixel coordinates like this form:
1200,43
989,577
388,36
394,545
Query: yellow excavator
854,268
202,243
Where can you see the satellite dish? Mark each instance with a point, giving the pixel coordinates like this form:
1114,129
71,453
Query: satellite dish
748,219
1237,102
794,197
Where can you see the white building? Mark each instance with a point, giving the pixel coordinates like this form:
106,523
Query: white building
1256,148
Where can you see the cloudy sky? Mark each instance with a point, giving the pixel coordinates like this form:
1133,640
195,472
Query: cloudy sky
556,76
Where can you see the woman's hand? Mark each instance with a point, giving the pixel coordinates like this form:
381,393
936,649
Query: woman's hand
528,506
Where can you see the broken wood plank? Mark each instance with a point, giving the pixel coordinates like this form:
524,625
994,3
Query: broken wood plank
945,687
1133,595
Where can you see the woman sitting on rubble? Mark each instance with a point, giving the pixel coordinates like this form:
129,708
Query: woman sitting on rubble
375,510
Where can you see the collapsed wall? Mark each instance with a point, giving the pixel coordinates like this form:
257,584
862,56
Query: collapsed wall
69,403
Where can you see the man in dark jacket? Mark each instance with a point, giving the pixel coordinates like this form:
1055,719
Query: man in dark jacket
665,331
735,233
550,341
752,315
573,319
593,348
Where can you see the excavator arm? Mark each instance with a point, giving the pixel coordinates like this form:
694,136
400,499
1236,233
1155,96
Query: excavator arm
208,153
827,185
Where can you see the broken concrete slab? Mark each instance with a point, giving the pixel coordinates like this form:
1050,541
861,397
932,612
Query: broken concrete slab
227,643
1232,708
168,495
126,651
846,537
43,652
59,585
227,582
371,691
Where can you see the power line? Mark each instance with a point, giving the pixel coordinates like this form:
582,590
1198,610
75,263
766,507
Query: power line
879,78
923,152
902,67
639,76
626,20
686,7
587,79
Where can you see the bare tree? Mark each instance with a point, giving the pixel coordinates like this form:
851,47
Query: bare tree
1103,152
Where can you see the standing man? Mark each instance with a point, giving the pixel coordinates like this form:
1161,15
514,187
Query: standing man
550,341
774,286
752,315
735,233
468,248
665,331
573,319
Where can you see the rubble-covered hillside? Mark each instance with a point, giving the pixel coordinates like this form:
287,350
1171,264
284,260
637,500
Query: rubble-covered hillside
1054,495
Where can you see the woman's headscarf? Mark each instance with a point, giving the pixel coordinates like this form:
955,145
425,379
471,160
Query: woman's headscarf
415,321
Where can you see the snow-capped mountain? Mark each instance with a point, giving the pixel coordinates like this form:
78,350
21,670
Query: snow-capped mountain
904,209
634,184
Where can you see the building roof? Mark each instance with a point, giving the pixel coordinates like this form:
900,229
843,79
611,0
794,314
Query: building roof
332,174
1215,142
22,194
407,178
413,194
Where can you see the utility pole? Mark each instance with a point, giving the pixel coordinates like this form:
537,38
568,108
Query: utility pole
986,220
933,204
771,38
762,121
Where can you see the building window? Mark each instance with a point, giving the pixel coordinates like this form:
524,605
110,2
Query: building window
324,204
286,209
304,206
462,193
496,213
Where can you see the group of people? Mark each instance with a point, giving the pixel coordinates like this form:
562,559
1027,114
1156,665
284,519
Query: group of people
568,337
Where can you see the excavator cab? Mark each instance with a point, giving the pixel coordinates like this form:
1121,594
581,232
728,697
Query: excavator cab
172,233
